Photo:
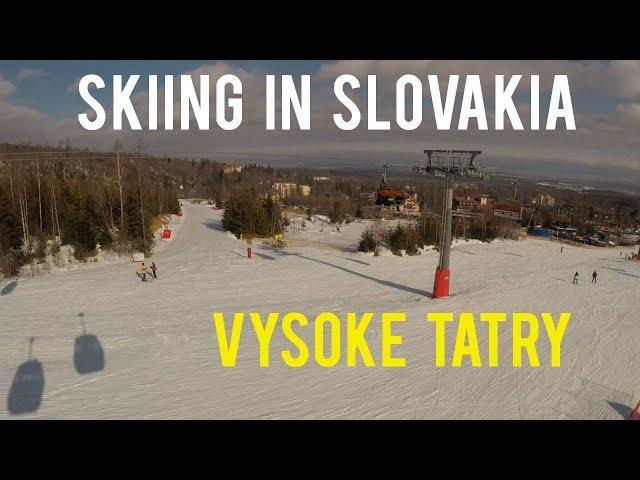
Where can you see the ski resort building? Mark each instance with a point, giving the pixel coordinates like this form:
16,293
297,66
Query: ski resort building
464,204
288,190
469,203
284,190
545,200
305,190
507,210
229,168
411,206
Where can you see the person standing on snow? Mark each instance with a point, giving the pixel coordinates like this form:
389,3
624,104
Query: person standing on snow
561,248
143,272
594,277
575,278
153,268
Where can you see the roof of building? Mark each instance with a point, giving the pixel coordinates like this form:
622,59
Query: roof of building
391,192
508,207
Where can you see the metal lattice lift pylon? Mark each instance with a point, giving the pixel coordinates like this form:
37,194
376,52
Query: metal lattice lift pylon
448,164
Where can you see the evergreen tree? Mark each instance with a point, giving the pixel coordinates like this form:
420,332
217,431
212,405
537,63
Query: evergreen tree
247,214
133,223
173,205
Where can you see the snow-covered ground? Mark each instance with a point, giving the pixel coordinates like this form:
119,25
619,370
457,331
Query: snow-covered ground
149,350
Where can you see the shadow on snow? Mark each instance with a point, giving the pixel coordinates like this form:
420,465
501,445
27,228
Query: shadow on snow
9,287
25,394
379,281
88,355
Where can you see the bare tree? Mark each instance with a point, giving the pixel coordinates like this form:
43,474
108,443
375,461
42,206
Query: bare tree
107,198
117,146
13,202
39,193
54,212
24,214
139,152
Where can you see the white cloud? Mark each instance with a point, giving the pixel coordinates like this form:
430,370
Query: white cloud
604,139
22,124
25,73
617,79
73,88
6,88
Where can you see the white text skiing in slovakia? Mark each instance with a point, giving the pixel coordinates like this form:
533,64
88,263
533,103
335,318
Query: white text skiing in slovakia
151,105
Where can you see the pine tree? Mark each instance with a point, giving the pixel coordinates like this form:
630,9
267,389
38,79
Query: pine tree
173,205
133,223
246,213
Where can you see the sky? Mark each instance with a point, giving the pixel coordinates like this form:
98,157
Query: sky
39,103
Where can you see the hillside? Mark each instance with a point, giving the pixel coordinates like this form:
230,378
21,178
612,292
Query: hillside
152,350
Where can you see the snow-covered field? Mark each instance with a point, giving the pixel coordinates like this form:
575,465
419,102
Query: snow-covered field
149,350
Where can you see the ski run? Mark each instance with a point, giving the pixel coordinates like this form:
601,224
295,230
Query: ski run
97,342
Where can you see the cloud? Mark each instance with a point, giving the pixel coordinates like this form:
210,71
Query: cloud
73,88
22,124
25,73
618,79
605,142
6,88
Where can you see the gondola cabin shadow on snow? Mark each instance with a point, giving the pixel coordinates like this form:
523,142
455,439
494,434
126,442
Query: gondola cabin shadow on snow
88,356
8,288
27,388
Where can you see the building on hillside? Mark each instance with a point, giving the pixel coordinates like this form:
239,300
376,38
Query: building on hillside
285,190
464,204
411,206
388,196
305,190
545,200
321,179
468,203
228,168
507,210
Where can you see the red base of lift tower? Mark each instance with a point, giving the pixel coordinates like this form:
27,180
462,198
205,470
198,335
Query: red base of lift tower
441,283
448,164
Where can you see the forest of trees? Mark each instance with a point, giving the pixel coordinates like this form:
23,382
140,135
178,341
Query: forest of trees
248,213
82,199
54,196
411,235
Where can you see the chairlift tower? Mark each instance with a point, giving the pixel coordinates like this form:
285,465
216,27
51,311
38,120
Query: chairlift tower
448,164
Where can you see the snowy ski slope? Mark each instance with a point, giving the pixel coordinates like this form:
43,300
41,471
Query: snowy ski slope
150,351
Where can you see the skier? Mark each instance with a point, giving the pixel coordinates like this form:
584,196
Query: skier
561,248
153,268
143,272
575,278
594,277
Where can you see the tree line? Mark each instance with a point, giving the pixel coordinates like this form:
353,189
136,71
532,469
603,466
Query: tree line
410,236
82,199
